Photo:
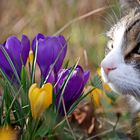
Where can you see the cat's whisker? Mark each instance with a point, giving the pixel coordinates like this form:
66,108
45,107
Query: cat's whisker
131,92
122,51
106,20
119,10
107,23
127,81
111,19
99,35
135,94
113,15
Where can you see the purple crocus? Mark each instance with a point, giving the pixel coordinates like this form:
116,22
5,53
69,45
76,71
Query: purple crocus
18,52
49,48
74,86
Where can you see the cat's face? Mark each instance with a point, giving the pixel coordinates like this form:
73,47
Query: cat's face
121,66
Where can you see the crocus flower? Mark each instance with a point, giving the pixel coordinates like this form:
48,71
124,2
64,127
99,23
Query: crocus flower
99,97
49,48
106,87
7,133
74,86
30,57
18,52
40,98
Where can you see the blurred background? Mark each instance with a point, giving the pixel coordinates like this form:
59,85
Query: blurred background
86,36
86,39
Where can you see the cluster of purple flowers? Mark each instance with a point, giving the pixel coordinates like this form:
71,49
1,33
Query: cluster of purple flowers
50,50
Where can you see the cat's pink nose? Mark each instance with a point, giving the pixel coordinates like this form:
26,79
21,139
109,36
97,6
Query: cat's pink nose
107,68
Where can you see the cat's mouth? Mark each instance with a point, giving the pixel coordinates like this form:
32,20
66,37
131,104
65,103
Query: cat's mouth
106,79
123,82
104,76
112,84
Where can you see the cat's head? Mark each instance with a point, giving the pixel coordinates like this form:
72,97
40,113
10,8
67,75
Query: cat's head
121,66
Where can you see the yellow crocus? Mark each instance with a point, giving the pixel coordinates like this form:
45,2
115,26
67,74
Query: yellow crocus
99,95
6,133
106,87
99,71
30,57
40,98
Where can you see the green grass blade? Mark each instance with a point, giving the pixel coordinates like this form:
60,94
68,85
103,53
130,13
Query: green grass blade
12,91
24,78
12,103
66,64
25,88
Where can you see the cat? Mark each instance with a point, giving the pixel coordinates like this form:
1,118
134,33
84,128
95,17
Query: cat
121,66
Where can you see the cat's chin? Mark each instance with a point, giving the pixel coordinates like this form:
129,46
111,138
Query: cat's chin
116,89
106,80
104,76
133,102
120,88
124,80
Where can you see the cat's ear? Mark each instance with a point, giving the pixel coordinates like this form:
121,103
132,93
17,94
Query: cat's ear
127,5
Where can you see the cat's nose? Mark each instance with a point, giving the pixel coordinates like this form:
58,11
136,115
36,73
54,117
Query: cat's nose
108,68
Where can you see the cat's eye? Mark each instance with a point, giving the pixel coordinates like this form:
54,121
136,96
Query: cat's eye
134,53
110,45
135,57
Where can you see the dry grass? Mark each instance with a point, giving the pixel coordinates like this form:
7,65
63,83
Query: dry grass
87,38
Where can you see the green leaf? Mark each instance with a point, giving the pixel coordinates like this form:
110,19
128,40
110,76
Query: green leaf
112,95
96,81
42,130
25,88
24,78
9,96
47,124
2,84
7,100
1,110
66,64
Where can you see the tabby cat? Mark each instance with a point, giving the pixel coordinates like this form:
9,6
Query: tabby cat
121,66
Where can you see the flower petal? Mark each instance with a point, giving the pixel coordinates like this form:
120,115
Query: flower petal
25,48
18,53
38,36
86,76
40,98
73,88
50,47
49,89
61,47
13,48
44,61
